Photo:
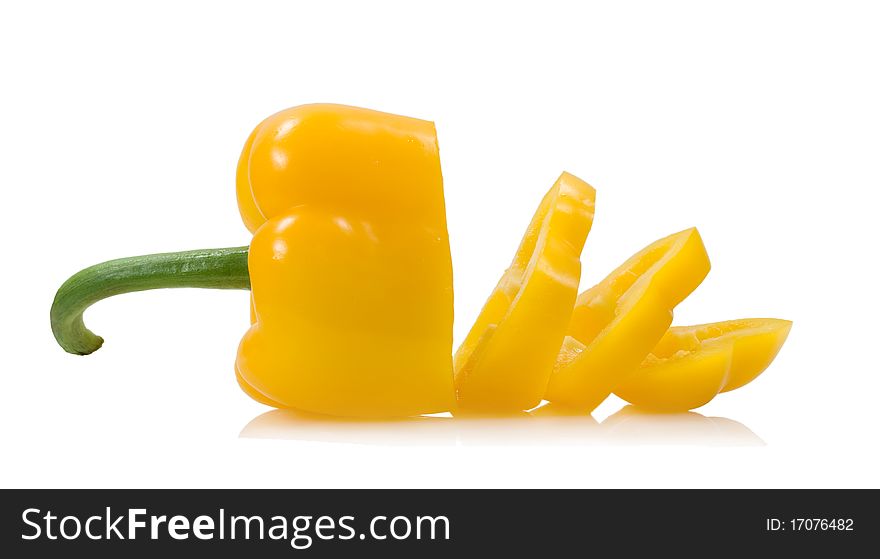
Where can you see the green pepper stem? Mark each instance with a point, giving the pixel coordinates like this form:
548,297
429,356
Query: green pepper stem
220,268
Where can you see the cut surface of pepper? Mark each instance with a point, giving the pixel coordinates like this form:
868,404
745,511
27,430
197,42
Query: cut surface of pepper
616,323
692,364
505,361
350,267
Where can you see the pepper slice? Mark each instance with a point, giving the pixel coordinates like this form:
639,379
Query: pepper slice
350,270
505,361
692,364
616,323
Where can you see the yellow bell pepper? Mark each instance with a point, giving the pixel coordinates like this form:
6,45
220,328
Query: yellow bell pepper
350,268
351,289
616,323
692,364
505,361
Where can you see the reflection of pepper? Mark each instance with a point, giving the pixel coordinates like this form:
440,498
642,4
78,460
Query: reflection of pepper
692,364
616,323
505,361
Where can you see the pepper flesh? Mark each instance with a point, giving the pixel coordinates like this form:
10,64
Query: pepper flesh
351,275
692,364
616,323
505,361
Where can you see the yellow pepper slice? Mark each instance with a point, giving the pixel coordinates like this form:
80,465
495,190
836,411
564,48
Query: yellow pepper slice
679,382
692,364
350,270
756,341
616,323
505,361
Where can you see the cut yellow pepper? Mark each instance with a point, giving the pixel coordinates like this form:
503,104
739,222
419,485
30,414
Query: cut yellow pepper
350,270
616,323
505,361
351,290
692,364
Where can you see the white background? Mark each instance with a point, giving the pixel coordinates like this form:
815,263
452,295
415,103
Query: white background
121,125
